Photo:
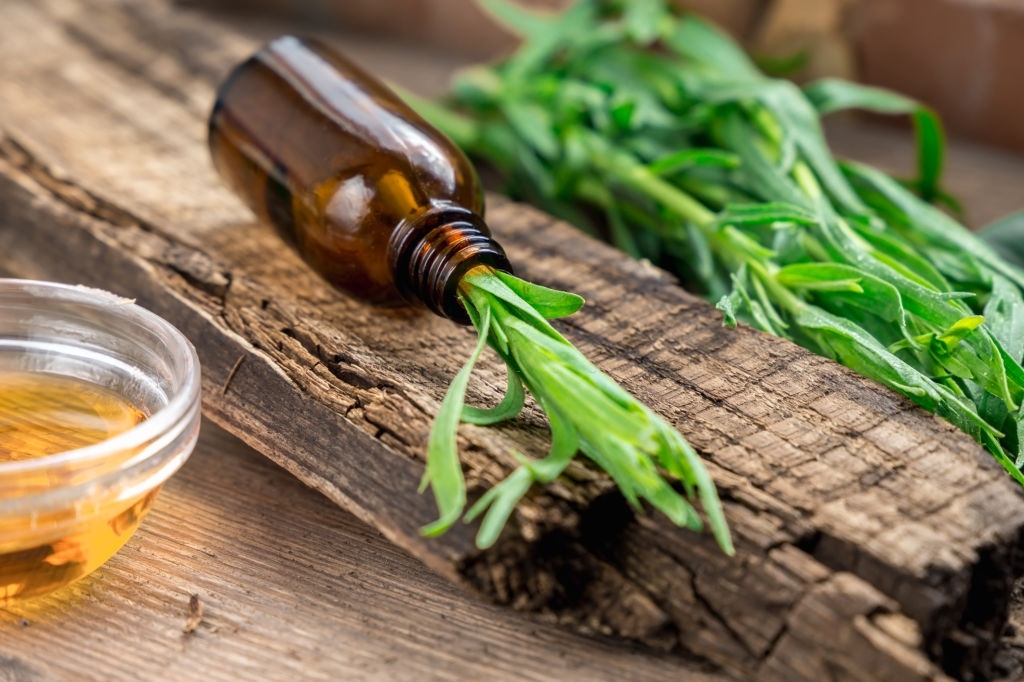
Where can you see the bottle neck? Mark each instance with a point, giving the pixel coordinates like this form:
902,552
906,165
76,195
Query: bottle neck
430,253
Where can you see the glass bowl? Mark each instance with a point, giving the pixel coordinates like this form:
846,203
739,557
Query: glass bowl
64,513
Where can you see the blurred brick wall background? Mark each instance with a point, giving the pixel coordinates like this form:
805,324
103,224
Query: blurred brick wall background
963,57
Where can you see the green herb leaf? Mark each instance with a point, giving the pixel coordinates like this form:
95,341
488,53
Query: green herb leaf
534,125
644,19
443,472
765,214
729,305
821,277
549,303
699,41
688,158
919,222
831,94
782,65
1004,313
499,502
509,407
586,408
527,23
1006,238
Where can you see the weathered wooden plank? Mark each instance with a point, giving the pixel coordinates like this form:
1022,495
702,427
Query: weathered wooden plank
835,488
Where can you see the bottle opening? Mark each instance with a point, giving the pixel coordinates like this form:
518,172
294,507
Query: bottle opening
431,253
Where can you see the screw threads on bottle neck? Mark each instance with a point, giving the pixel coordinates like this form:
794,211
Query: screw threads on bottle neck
431,253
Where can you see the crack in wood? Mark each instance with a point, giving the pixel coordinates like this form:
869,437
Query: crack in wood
722,620
74,196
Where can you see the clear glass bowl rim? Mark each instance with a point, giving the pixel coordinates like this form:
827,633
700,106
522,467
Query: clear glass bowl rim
180,405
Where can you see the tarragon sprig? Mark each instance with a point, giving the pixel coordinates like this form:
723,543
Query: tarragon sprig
588,413
694,159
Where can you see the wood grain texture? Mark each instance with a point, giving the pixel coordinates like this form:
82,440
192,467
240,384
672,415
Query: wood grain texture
874,541
291,587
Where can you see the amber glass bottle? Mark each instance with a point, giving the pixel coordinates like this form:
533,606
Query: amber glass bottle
372,196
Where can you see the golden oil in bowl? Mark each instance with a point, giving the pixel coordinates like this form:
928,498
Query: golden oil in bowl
44,414
99,405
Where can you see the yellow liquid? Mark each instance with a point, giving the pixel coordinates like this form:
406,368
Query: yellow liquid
41,415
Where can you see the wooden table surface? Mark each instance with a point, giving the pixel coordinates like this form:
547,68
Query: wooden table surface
292,587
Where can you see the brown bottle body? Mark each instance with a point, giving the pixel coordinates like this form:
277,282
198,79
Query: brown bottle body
340,165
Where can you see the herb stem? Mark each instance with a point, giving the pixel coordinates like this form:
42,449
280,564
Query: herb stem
587,410
782,294
807,181
463,130
633,174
